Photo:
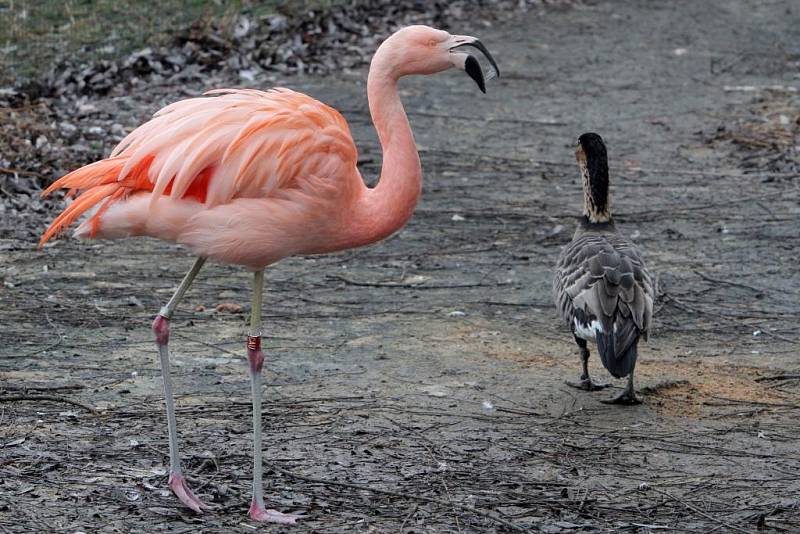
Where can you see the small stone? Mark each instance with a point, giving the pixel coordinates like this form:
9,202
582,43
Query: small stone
228,307
41,142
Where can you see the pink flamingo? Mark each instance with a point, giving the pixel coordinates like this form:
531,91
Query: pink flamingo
250,177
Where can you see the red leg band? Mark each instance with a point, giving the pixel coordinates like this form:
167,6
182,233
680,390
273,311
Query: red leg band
254,354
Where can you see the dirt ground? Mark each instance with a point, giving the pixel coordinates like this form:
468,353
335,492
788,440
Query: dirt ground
417,385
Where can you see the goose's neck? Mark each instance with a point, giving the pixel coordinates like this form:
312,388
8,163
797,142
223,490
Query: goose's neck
386,208
596,198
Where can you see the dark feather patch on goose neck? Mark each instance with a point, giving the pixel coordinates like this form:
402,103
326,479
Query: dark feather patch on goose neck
593,162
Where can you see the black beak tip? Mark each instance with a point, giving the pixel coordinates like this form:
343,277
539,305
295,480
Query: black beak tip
473,69
485,51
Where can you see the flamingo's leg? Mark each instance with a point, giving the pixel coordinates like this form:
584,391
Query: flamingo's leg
161,329
255,358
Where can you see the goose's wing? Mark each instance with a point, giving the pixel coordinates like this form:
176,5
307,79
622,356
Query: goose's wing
601,285
637,301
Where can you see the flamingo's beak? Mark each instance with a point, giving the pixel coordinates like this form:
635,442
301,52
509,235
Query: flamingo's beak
470,63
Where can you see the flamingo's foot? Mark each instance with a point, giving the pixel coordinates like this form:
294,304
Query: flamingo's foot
586,384
627,397
259,513
184,494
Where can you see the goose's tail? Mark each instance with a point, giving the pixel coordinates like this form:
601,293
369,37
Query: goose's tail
618,347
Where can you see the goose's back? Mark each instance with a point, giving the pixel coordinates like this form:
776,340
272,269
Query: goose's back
602,284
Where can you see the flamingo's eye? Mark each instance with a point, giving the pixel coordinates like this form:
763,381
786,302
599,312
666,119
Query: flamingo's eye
432,43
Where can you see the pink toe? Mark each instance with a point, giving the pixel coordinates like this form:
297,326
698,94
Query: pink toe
184,494
258,513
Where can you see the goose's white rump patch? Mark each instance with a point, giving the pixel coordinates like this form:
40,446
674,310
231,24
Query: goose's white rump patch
588,332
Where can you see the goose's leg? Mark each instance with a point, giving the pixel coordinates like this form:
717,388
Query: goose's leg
628,395
255,358
585,382
161,330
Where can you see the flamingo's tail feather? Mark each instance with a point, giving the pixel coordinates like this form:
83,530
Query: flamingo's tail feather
98,181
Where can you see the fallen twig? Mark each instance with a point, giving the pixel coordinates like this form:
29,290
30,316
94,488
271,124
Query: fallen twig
488,515
6,170
52,398
410,286
698,511
409,516
67,387
728,282
777,377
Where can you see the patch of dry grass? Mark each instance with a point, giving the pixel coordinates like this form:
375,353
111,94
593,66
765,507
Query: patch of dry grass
34,33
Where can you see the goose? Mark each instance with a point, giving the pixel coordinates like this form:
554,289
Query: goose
601,286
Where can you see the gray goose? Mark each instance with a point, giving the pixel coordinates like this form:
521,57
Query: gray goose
601,287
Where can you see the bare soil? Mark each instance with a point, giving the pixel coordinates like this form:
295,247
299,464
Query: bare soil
417,385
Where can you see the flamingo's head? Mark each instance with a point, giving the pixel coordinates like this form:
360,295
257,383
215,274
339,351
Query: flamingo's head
425,50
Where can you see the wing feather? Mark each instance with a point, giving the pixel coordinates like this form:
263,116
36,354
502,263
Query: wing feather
225,145
256,141
600,276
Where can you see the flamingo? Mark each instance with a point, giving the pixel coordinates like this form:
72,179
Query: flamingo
248,177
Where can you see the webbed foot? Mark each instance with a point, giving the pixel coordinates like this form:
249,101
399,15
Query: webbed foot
586,384
627,398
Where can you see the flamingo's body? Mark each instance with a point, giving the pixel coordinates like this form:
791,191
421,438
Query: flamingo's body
249,177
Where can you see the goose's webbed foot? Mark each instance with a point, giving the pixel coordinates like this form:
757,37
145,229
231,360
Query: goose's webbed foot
586,384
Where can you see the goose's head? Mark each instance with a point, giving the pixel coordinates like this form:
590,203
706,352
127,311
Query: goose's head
425,50
593,163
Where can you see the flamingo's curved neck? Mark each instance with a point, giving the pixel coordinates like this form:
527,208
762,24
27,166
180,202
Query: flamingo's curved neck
386,208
